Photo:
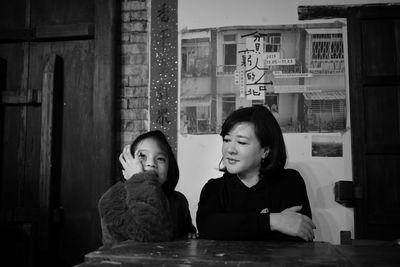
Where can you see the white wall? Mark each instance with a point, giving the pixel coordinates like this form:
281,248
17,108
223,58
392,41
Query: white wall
198,156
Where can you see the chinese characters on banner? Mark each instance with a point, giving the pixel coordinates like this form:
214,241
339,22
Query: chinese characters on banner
254,68
164,69
254,75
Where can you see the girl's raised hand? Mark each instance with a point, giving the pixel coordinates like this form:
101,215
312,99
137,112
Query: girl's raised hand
292,223
131,165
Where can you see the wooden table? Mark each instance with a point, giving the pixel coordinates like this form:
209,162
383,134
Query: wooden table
241,253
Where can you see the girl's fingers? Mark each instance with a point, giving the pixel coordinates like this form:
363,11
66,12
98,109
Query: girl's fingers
122,161
127,153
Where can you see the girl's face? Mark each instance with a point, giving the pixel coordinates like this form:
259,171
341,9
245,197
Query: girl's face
153,158
242,152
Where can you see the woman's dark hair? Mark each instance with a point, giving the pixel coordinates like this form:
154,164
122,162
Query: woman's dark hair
173,170
268,133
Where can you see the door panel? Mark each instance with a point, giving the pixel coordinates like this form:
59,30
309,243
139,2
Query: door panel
83,167
74,185
381,102
57,12
377,37
374,45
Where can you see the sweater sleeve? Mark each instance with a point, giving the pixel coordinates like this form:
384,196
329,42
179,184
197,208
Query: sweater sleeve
135,210
294,192
181,215
214,223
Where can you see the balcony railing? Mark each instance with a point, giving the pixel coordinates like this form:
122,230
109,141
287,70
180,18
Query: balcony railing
226,70
326,66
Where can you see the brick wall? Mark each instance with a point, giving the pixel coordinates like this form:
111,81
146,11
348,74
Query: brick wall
134,69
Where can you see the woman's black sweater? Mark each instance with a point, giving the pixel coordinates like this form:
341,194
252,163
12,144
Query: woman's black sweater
230,210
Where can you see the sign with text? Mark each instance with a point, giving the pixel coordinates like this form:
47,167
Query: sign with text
164,69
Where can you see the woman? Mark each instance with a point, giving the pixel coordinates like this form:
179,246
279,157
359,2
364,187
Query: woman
146,206
256,198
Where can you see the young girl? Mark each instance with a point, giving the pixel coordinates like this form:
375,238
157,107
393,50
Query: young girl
145,207
256,198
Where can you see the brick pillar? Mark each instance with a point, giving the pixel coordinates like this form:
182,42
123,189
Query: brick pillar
134,69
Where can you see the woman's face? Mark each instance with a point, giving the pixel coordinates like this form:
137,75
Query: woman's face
153,158
242,152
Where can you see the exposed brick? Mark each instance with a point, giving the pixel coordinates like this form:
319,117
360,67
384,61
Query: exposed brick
137,114
134,59
126,138
137,102
136,80
123,103
124,80
134,125
137,26
138,15
139,37
126,16
134,48
133,5
137,91
125,37
141,70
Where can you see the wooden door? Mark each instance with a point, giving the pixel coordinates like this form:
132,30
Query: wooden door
374,59
48,208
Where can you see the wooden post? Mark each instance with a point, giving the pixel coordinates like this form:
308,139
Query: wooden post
50,146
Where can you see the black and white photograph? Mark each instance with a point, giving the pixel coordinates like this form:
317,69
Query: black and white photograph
199,133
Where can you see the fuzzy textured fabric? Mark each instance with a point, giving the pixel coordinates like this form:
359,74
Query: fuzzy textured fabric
136,210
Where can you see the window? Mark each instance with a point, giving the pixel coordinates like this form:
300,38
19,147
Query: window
230,53
195,57
228,105
327,53
272,42
325,111
270,101
196,114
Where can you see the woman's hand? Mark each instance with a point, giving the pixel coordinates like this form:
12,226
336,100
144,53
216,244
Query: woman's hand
131,165
292,223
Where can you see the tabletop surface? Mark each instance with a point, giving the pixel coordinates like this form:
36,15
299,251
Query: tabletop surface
200,252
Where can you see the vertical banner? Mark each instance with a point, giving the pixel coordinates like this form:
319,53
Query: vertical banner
255,88
164,69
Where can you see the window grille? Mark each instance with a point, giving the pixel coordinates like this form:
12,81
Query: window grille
326,115
327,56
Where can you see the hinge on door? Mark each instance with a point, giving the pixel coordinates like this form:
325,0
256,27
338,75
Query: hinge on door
26,97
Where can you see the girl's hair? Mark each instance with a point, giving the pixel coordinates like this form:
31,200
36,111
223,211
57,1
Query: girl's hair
173,170
268,133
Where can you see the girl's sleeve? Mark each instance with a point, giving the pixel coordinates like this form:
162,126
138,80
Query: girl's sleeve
135,210
214,223
181,215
